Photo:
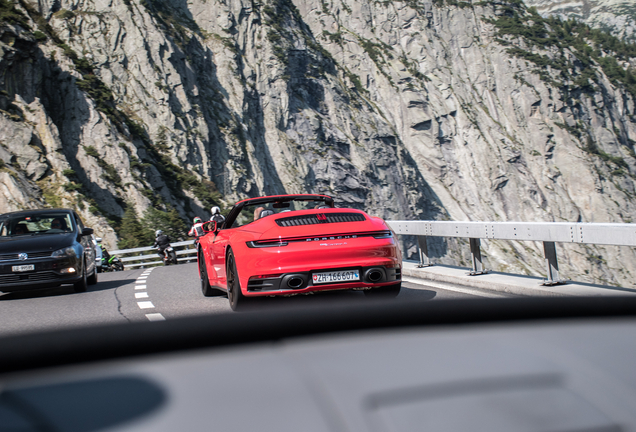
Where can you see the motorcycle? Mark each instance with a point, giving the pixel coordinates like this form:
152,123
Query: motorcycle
112,263
169,256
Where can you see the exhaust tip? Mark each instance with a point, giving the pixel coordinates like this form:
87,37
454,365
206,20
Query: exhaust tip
295,282
374,275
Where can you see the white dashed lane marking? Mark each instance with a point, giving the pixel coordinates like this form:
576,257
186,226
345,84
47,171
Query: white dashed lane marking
141,285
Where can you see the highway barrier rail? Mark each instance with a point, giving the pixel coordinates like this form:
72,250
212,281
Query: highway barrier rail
149,256
616,234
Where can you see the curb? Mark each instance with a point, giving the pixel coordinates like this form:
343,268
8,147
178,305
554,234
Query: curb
509,283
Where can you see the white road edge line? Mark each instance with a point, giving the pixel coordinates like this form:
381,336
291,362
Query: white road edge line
432,284
155,317
141,295
145,305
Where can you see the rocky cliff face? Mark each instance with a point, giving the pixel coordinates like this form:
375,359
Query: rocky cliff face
409,110
617,17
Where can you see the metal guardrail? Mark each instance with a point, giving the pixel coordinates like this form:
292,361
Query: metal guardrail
143,260
547,232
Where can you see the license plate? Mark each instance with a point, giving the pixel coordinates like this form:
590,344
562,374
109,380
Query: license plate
336,276
23,268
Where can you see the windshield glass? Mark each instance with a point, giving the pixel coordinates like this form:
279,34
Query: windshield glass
40,224
250,213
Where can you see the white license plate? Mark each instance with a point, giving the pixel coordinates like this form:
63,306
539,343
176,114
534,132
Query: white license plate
23,268
336,276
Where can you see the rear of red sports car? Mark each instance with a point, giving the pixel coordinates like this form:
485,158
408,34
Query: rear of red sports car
316,250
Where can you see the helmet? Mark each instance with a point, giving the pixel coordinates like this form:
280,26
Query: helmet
158,233
197,220
216,210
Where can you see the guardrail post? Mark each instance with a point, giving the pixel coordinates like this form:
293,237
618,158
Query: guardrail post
422,248
475,255
552,265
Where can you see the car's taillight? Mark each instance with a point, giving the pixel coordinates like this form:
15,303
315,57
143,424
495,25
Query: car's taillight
268,276
383,234
266,243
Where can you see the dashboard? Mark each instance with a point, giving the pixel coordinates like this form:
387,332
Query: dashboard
495,365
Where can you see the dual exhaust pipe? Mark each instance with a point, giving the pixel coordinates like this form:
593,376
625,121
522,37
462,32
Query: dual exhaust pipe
300,280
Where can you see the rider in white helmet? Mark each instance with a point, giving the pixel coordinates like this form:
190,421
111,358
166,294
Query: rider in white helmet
217,216
161,241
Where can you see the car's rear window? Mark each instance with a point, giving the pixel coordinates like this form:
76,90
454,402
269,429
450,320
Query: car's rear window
36,224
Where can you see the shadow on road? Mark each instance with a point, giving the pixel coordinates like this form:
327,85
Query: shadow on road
327,298
63,290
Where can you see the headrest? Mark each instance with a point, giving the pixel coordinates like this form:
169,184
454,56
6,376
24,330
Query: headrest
266,213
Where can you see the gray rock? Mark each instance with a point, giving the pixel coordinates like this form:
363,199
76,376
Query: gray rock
407,113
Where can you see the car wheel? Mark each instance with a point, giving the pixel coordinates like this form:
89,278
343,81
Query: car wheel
390,291
237,300
82,285
92,279
206,288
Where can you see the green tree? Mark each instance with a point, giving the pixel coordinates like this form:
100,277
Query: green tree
170,222
132,232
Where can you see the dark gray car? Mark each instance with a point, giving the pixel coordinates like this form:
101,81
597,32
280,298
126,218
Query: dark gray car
45,248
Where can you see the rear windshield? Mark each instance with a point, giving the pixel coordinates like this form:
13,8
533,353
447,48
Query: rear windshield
40,224
250,213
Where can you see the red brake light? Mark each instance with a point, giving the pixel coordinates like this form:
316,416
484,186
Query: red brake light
267,276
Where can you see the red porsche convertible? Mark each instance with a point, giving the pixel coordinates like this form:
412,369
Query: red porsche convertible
297,244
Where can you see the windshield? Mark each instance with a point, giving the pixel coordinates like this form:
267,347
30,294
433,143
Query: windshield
40,224
253,212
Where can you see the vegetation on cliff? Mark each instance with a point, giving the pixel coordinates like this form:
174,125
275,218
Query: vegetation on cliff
574,49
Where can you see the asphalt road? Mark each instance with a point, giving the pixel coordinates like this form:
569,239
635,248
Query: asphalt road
157,294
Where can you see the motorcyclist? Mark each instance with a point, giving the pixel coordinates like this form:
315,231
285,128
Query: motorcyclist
162,241
104,253
217,216
196,231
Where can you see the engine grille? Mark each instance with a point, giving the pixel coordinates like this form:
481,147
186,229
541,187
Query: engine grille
44,276
320,218
14,256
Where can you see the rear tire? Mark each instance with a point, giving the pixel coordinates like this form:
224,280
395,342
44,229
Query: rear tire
237,300
206,288
82,284
389,291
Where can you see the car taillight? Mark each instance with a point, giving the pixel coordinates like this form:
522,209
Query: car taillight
383,234
266,243
266,276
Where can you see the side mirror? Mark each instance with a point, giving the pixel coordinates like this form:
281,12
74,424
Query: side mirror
87,231
210,226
